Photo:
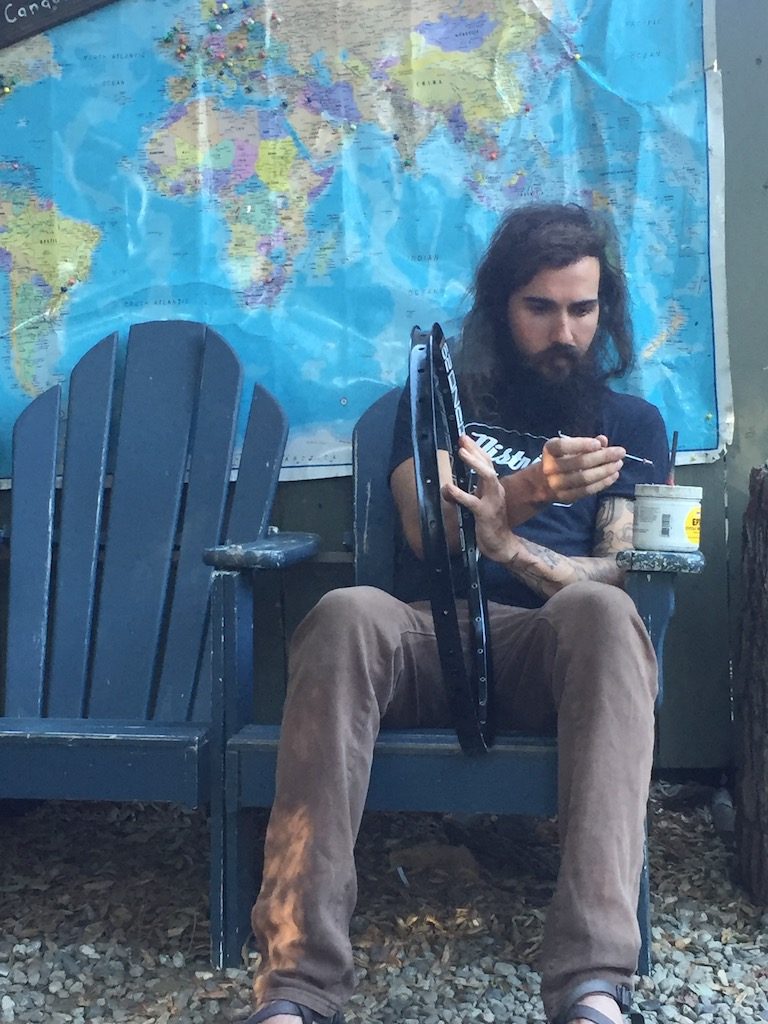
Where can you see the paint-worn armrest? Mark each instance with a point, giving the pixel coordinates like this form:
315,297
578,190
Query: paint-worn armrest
661,561
277,551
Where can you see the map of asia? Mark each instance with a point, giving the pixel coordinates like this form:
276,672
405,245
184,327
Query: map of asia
313,179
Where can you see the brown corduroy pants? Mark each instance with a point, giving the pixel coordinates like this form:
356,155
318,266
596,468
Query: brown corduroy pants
582,664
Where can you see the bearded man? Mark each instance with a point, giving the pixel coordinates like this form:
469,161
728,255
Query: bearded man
557,454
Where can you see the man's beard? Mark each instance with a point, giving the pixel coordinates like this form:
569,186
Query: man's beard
557,390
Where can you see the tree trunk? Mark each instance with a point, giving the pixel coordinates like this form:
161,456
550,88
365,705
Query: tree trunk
751,695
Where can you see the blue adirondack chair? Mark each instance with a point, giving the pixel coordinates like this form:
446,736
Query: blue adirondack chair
413,770
107,690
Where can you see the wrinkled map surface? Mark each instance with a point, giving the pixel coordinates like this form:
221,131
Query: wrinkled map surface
312,179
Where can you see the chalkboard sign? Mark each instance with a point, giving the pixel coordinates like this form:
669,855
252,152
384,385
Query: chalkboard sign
23,18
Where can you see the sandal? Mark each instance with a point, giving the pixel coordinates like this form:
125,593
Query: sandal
578,1011
279,1006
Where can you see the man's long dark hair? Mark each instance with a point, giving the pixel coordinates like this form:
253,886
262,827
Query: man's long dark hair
530,239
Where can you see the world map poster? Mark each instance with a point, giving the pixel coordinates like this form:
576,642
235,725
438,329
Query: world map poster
312,179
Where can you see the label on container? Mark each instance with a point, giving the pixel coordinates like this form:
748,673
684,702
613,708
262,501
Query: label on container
666,522
693,525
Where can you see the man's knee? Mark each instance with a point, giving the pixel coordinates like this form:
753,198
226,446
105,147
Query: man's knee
598,606
598,624
350,607
347,620
348,647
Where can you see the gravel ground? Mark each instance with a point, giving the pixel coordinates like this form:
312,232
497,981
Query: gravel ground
103,918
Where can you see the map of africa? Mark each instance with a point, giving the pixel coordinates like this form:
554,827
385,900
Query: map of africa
312,179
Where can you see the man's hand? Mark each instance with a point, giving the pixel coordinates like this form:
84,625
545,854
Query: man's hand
570,468
574,467
487,503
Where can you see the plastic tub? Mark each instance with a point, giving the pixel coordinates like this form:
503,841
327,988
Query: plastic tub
667,517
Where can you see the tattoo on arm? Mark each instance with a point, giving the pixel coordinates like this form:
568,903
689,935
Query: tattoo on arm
613,526
546,571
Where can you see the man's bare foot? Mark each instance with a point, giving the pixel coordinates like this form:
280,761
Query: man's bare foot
598,1001
283,1018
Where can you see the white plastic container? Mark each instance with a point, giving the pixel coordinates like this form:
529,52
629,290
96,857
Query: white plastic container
667,518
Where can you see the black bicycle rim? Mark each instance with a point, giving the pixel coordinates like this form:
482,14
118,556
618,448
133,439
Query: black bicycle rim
433,398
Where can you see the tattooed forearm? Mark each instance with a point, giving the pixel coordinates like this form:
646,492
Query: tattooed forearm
613,526
546,571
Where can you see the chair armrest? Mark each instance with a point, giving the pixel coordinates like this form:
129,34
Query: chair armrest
660,561
277,551
651,585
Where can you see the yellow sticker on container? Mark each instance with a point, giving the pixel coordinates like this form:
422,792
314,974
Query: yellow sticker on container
693,525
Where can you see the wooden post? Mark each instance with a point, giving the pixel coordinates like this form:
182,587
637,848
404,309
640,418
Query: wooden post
751,695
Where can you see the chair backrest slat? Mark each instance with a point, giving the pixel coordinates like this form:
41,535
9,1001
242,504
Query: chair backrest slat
202,708
35,443
374,509
108,614
209,470
257,475
89,410
159,396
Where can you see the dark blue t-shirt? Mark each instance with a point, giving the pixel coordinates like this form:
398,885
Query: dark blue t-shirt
569,529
